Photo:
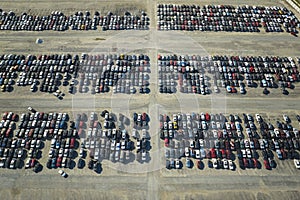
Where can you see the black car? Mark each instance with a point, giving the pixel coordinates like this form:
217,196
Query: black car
37,167
241,163
80,163
279,125
285,92
272,163
168,166
172,164
18,163
91,164
97,167
210,164
298,117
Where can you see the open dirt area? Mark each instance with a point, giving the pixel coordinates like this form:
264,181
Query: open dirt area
149,180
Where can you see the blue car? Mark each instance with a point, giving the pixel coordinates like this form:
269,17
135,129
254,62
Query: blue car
188,163
53,163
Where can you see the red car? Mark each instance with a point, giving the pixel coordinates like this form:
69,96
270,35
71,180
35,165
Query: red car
95,125
14,117
166,142
245,162
232,145
213,153
144,116
220,134
199,164
8,132
41,115
227,144
223,153
267,164
283,154
72,142
32,162
228,154
80,131
233,90
255,162
27,145
58,162
208,154
5,116
207,117
232,125
81,124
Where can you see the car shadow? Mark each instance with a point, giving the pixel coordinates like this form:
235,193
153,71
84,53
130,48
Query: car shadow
98,168
72,164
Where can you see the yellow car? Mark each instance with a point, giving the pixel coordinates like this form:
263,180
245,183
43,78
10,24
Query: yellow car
175,125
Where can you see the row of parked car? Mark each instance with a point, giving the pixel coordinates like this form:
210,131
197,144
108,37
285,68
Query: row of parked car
124,73
94,73
57,21
189,76
27,139
216,137
46,72
130,73
190,73
226,18
266,72
114,141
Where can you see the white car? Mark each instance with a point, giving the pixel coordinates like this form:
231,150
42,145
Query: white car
144,153
81,152
216,89
201,142
134,133
215,163
187,152
30,108
204,125
97,152
138,145
296,132
286,118
112,145
192,144
197,153
225,163
258,118
231,166
123,144
249,155
62,173
297,163
118,146
144,133
177,164
20,153
2,163
27,164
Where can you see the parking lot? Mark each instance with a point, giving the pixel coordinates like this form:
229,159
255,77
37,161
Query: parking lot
22,143
149,179
244,18
192,73
216,137
88,74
